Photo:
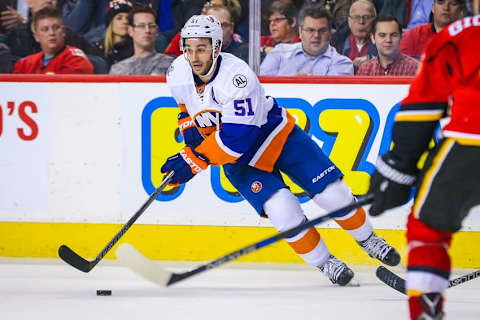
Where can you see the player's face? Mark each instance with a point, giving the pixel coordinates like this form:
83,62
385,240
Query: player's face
315,35
360,19
280,28
387,38
120,24
199,54
50,34
446,11
144,31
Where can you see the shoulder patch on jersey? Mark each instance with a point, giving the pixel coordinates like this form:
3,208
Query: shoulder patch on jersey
239,81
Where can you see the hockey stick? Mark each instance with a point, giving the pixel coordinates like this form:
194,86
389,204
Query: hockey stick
73,259
394,281
141,265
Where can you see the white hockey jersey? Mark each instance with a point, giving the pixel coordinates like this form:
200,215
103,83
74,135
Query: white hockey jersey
240,124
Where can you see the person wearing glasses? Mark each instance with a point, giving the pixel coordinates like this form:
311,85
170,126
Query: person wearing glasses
235,10
55,57
282,24
229,44
143,30
117,44
313,55
353,39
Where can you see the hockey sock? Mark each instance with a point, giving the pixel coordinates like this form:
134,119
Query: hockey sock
337,195
310,247
428,306
284,212
428,260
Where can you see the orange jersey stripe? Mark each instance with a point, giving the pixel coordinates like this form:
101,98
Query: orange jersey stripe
268,158
306,243
354,222
214,153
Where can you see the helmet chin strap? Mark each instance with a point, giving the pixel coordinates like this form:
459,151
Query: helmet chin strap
214,62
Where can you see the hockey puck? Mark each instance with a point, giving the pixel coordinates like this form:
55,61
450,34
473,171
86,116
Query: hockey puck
104,292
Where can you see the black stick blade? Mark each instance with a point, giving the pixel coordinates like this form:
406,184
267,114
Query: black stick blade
391,279
73,259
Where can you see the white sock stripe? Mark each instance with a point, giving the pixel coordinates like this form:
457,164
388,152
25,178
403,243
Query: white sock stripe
425,282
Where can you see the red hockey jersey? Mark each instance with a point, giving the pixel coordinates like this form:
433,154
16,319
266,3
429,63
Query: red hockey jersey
68,60
448,84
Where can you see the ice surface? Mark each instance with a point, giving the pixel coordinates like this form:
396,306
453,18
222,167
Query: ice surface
50,289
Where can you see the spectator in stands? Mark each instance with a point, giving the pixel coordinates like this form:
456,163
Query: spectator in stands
444,12
229,44
313,55
117,44
22,43
86,17
386,35
340,12
9,16
233,7
7,60
282,18
419,13
353,39
143,29
55,57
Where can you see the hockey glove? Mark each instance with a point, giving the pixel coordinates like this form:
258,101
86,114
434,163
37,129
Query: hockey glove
390,185
186,164
188,130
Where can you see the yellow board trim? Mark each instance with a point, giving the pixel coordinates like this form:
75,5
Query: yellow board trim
199,243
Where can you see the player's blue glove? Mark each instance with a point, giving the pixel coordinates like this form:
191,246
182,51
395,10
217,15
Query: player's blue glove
391,185
188,130
186,164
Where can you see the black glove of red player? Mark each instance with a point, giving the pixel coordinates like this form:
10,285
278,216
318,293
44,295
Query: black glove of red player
390,185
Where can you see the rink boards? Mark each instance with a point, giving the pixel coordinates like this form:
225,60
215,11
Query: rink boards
78,156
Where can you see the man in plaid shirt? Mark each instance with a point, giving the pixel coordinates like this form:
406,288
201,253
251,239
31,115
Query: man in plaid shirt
387,34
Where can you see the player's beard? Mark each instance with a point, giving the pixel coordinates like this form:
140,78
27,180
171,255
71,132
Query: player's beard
205,70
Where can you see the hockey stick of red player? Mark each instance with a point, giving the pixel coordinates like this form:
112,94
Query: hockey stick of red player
141,265
73,259
394,281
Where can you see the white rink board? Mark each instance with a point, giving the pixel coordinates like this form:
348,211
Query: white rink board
85,163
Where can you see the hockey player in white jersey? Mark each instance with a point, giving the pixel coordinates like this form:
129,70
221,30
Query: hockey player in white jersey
227,120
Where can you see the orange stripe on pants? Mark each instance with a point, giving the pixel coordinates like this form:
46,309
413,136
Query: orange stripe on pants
354,222
307,243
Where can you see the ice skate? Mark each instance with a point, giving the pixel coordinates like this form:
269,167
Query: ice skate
337,271
428,306
377,248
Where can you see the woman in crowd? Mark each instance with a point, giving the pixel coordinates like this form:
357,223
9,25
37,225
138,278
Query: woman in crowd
117,44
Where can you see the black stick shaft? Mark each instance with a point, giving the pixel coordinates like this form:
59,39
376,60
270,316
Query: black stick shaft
75,260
